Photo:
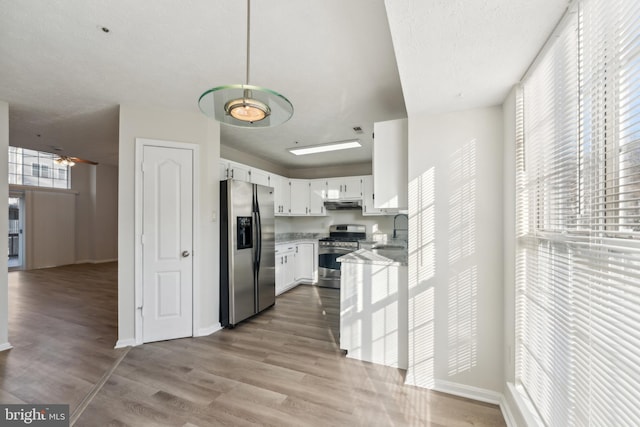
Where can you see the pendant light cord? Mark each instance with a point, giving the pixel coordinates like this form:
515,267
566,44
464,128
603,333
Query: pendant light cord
248,35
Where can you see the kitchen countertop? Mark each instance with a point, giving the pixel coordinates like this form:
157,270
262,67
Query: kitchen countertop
296,237
397,257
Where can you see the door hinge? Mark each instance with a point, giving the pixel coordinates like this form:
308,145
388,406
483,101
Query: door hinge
142,167
142,239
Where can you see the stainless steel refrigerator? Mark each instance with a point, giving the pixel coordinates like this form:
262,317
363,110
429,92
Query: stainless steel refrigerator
247,251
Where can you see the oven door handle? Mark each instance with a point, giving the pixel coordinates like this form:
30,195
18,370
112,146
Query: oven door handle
329,251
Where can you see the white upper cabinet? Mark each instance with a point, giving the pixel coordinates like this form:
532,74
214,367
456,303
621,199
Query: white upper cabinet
299,190
261,177
239,171
281,195
344,188
224,169
233,170
317,195
390,160
368,207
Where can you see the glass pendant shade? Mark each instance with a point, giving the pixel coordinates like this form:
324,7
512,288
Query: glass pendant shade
245,106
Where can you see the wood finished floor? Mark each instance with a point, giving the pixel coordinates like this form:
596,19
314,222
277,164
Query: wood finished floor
281,368
63,326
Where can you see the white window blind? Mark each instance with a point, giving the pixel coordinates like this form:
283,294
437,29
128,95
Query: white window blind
578,269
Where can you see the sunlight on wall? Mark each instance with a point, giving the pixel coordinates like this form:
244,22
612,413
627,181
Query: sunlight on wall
421,275
462,318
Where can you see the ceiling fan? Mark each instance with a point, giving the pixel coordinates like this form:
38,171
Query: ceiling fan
70,161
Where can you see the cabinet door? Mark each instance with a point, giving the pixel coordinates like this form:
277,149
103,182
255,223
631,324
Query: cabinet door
281,195
279,274
289,269
344,188
305,262
368,197
260,177
299,196
285,268
224,169
351,188
239,171
334,188
317,192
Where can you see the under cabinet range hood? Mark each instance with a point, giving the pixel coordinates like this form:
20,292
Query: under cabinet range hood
336,205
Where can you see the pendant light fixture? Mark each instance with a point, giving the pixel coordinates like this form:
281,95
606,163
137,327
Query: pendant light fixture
244,105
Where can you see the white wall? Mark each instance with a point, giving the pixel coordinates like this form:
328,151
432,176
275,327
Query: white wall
456,252
331,171
49,228
96,212
238,156
509,216
81,182
106,213
4,221
178,126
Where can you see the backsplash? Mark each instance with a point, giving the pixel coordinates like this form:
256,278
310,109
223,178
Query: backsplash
320,224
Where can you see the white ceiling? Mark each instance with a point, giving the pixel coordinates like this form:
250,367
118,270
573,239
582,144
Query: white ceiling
64,77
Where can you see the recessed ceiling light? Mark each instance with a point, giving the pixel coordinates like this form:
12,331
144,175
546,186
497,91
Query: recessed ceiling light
323,148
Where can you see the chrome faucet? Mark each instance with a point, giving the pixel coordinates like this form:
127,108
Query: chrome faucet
406,226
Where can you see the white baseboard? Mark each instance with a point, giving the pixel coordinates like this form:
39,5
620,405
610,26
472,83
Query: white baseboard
126,343
505,408
203,332
96,261
287,288
5,346
521,410
470,392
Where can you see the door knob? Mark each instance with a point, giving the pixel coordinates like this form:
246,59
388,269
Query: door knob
185,254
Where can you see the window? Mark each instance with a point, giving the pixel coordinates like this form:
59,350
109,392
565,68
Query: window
578,189
37,168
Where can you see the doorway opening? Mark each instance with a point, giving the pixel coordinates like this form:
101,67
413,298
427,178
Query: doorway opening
15,232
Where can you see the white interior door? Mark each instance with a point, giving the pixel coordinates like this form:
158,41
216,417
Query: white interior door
167,240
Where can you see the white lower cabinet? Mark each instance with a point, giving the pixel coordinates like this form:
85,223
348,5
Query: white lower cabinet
306,261
296,263
285,268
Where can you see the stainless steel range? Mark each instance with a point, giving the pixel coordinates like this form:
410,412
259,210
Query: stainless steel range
343,239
